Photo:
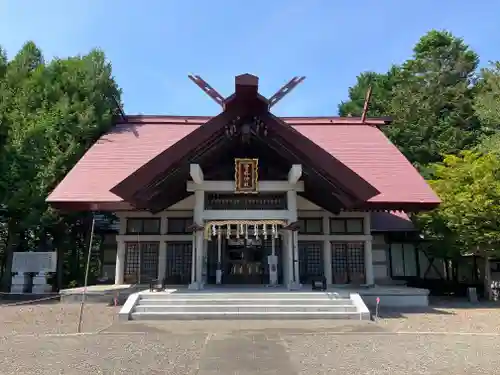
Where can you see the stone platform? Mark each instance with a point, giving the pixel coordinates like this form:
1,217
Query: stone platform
390,296
101,293
258,302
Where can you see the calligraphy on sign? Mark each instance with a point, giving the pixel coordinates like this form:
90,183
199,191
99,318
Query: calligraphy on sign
246,176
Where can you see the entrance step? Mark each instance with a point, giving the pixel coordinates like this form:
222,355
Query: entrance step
243,301
247,315
245,308
244,295
243,305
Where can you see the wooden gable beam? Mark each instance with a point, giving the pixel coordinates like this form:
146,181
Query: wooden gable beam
285,90
207,89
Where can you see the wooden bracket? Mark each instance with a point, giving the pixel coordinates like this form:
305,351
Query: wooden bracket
196,173
207,89
280,94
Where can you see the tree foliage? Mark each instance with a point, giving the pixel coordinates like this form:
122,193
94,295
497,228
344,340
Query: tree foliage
429,96
487,101
446,118
50,115
468,219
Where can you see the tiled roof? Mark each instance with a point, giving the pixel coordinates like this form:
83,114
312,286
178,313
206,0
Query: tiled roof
128,146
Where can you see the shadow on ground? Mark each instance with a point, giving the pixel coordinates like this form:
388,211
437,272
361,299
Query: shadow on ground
401,312
438,306
461,303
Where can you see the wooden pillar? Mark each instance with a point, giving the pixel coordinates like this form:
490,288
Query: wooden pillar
293,242
327,250
120,262
162,260
369,278
198,242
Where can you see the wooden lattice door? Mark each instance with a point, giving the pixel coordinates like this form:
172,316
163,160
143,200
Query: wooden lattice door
348,262
310,260
179,262
141,262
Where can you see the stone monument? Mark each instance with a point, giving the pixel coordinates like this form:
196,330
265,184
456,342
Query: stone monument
38,263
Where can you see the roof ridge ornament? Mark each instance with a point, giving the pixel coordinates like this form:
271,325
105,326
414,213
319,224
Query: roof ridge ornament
246,80
207,89
285,90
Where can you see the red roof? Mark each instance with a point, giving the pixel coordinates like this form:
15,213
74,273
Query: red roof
128,146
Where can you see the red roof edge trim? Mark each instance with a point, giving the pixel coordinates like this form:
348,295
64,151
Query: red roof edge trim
70,206
91,206
400,206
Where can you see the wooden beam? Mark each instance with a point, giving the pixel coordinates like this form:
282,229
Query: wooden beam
207,89
119,108
285,90
366,104
229,187
196,173
295,173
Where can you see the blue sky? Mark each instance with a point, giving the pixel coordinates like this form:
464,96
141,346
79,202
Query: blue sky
154,44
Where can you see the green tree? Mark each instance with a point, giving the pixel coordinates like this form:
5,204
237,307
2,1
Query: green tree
434,100
53,113
381,85
467,219
430,98
487,101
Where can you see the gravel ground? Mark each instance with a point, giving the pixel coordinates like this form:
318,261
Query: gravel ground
444,318
437,341
52,318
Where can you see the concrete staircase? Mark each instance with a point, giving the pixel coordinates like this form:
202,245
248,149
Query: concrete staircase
243,305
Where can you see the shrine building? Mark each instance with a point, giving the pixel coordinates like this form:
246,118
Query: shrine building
247,197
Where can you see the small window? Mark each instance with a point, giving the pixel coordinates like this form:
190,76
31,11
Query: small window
311,226
143,226
354,226
134,226
346,226
337,226
179,225
151,226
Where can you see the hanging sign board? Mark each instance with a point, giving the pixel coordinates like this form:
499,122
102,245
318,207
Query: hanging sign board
246,176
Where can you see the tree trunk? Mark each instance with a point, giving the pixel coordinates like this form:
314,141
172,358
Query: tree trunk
60,242
487,276
74,259
13,234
